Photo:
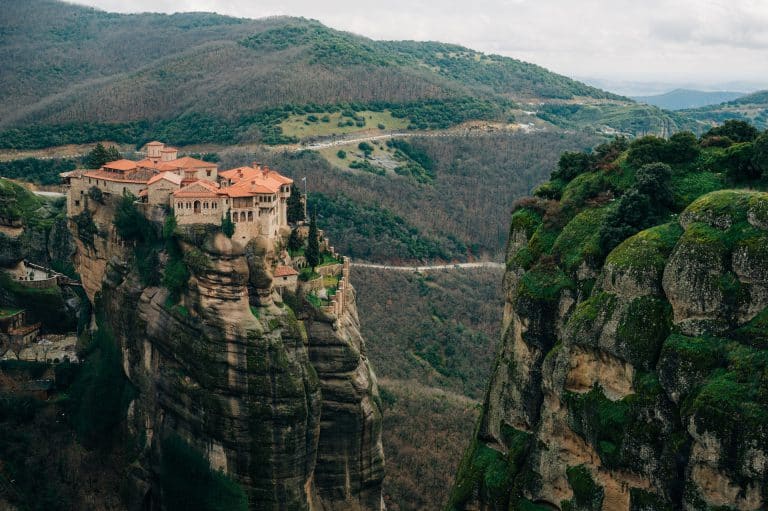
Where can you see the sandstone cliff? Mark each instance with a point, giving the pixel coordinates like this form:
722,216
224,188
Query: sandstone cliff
633,381
281,399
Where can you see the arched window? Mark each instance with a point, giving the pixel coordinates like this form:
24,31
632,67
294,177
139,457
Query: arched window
250,216
234,217
197,206
242,216
205,205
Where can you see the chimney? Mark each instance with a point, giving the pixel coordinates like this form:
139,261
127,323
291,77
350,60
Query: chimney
256,165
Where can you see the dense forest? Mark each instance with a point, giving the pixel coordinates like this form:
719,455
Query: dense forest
80,75
456,215
432,370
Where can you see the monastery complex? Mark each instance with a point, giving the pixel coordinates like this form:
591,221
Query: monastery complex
254,197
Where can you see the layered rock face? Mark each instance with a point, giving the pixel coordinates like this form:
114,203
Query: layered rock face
641,383
283,402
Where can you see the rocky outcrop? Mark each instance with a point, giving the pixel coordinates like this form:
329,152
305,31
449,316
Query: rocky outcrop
646,392
350,456
280,399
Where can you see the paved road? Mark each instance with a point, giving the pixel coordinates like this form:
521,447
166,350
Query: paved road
487,264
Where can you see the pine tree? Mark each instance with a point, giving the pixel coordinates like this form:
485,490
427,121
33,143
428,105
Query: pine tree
100,155
294,242
227,225
295,206
313,244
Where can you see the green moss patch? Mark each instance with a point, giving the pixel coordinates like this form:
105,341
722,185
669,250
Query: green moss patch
754,333
525,219
583,187
646,250
489,472
643,327
688,187
730,204
586,493
583,324
579,241
543,283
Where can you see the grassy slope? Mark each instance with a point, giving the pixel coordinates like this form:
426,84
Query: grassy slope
74,64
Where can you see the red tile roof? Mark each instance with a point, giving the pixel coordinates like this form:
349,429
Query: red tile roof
135,176
187,162
167,176
199,189
284,271
120,165
247,180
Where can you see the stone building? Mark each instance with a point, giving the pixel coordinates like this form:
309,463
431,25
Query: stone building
255,198
13,324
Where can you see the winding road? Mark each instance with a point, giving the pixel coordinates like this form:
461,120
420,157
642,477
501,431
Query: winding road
486,264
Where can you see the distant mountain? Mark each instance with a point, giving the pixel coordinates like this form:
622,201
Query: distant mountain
752,108
201,77
680,99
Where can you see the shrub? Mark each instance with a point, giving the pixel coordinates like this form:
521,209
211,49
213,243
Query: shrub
188,482
341,153
100,394
366,148
735,130
586,492
571,164
86,227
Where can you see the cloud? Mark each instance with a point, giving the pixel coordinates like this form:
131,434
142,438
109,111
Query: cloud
709,40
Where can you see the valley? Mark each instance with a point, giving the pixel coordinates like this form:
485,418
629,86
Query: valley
510,290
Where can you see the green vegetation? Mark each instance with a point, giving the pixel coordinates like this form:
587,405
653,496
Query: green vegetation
637,204
364,230
133,226
44,305
586,494
625,118
490,473
100,155
312,253
100,394
647,250
34,170
18,205
188,481
295,205
227,225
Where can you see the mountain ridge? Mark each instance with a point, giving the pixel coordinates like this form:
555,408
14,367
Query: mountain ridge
680,99
88,66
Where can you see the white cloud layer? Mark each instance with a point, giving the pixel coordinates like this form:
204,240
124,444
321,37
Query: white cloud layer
705,42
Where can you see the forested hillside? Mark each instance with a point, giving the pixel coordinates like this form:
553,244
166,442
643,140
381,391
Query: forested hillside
453,216
76,74
752,108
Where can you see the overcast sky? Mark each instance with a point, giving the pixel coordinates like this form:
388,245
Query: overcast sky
712,43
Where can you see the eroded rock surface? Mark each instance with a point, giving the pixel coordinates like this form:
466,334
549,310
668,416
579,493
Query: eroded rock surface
283,401
633,384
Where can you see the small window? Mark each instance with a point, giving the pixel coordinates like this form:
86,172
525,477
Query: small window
77,203
208,172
